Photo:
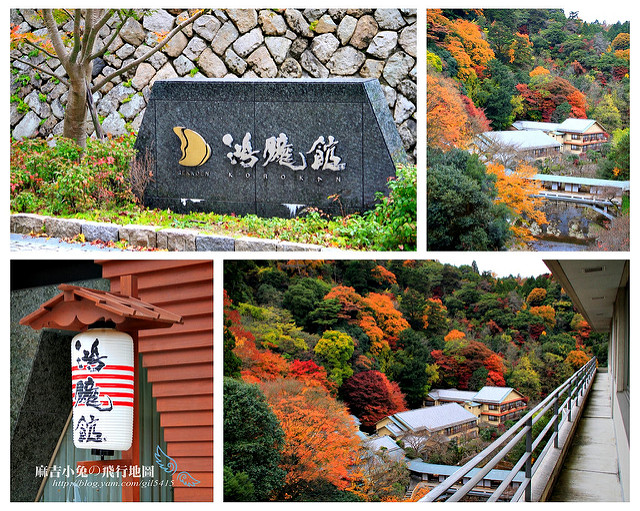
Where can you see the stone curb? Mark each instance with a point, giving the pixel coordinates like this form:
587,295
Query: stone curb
173,240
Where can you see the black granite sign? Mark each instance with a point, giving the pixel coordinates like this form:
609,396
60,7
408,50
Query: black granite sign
269,147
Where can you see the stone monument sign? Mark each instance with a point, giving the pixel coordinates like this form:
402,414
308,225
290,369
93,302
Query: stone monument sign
268,147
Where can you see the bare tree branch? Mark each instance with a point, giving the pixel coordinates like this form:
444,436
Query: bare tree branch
40,48
76,36
93,33
43,70
105,47
94,115
56,39
103,21
88,29
144,57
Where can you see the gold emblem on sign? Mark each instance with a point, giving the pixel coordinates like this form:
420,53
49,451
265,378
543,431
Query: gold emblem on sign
195,151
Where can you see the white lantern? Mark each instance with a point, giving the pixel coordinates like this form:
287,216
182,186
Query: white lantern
102,386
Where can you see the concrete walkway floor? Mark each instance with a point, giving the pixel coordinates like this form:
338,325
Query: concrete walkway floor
590,472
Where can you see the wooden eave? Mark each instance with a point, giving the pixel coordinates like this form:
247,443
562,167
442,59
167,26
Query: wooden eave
76,308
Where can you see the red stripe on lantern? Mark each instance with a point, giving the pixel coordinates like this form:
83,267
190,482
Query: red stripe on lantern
115,403
102,376
104,385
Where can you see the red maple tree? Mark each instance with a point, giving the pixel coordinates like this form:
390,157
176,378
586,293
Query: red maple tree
371,397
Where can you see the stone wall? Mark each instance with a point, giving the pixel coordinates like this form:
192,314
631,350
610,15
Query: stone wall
227,43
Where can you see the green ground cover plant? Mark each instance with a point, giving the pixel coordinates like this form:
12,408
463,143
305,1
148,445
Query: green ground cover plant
57,177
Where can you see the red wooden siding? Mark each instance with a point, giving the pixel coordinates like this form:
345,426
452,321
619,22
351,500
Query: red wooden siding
179,361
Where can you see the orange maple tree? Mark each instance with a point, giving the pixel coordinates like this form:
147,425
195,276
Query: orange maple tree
373,331
387,317
382,275
468,46
576,359
320,436
418,493
350,301
376,314
447,122
438,26
463,39
578,102
259,365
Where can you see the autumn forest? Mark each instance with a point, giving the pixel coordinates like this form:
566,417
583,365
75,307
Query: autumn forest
486,69
311,344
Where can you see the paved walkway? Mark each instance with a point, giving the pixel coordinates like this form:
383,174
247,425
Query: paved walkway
25,243
590,472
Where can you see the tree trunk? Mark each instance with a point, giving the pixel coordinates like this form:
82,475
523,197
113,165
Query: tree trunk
76,109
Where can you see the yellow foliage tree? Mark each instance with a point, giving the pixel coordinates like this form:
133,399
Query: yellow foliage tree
539,71
539,75
518,191
536,296
454,335
623,54
621,42
547,313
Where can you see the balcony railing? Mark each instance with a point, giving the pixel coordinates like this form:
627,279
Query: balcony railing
561,403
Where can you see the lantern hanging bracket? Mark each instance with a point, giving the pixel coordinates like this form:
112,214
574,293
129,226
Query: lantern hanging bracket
102,453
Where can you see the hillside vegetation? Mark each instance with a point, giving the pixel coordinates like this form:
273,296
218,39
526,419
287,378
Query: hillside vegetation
487,68
316,342
494,66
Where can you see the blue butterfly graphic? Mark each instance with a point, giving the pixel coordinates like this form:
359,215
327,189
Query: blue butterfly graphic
168,464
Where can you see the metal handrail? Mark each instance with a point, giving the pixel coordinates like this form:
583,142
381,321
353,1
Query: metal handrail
574,387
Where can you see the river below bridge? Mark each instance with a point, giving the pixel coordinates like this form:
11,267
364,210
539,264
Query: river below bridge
570,228
547,245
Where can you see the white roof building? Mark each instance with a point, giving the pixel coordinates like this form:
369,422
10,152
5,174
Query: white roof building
570,125
510,147
576,125
429,420
519,140
492,394
536,125
455,395
387,444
